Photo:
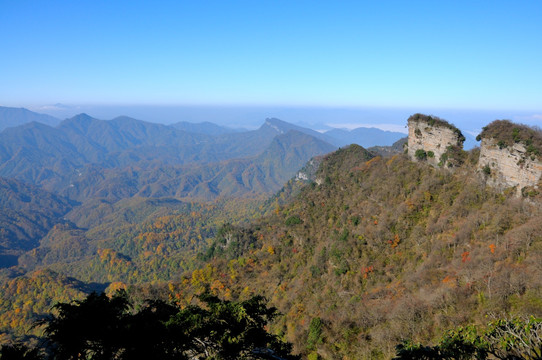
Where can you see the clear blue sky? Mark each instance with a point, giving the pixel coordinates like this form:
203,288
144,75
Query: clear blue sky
436,54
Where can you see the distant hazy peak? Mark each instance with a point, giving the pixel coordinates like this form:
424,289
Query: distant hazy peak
11,117
79,118
124,118
275,124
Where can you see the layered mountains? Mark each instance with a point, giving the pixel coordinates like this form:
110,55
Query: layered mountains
81,148
68,174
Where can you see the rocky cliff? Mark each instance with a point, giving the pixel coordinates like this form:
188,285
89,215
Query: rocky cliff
432,139
510,155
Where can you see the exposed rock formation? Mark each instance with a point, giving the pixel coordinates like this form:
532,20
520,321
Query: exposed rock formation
510,155
432,139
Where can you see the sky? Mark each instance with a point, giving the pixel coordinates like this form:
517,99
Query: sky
468,59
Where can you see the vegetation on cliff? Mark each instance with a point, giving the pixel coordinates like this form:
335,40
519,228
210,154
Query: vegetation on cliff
436,121
506,133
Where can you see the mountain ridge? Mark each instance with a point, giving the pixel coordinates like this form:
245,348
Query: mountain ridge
11,117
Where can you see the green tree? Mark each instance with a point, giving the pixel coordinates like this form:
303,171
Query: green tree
92,328
99,328
506,339
229,330
315,333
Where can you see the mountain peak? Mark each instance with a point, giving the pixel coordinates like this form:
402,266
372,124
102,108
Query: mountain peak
81,117
11,117
278,125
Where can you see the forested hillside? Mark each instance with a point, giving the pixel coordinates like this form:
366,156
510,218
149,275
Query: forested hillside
27,213
381,251
360,253
128,202
257,176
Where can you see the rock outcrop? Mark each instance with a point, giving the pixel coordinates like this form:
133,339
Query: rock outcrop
510,155
433,140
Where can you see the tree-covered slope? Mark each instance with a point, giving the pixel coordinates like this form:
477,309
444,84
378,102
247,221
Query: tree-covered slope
383,250
370,251
27,213
254,177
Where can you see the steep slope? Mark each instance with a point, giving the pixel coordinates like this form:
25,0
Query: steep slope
11,117
396,148
27,213
270,170
382,250
283,127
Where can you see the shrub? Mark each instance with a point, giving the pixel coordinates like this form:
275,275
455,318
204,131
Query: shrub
505,132
434,120
293,220
315,333
420,154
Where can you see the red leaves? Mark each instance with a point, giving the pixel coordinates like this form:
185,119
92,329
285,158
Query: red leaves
366,270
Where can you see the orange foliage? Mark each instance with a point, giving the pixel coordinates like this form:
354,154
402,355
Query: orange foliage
492,248
370,163
366,270
449,280
395,241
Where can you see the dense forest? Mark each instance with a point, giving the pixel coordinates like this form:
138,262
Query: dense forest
363,256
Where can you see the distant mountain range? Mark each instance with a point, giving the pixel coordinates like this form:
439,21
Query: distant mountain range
83,157
254,176
365,137
10,117
54,157
206,128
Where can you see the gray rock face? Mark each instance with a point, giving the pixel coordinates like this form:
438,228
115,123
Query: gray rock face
509,166
430,138
502,166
